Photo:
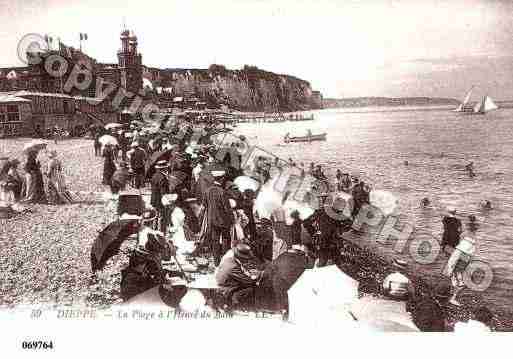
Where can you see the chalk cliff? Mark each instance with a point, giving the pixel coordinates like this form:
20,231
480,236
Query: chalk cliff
249,89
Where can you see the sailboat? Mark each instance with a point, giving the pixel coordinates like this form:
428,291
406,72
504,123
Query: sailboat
485,105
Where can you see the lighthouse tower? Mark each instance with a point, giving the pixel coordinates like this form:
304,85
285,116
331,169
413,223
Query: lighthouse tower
130,63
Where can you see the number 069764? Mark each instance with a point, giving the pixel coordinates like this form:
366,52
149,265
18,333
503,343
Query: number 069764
37,344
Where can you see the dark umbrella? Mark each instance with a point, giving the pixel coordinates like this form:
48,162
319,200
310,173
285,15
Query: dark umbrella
109,241
278,278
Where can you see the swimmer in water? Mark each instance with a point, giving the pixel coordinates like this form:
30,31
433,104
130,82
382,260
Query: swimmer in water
406,163
486,204
472,224
470,169
425,202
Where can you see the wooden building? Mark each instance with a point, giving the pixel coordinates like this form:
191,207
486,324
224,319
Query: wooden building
26,113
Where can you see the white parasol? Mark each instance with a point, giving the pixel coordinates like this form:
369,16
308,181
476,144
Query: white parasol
34,145
108,140
113,125
327,289
386,201
244,182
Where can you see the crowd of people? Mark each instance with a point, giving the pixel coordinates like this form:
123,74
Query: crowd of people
197,206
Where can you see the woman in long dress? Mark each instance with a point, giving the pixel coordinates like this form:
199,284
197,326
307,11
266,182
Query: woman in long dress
109,167
6,193
57,192
34,189
15,179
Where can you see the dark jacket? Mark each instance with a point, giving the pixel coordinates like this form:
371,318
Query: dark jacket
159,187
452,231
219,211
109,167
230,276
121,176
328,228
138,158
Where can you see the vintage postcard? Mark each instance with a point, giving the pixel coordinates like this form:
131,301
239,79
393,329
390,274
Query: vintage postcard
212,172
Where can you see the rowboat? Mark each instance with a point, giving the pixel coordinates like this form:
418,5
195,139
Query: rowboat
309,138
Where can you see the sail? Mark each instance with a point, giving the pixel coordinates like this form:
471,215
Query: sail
465,100
485,105
467,97
479,107
489,105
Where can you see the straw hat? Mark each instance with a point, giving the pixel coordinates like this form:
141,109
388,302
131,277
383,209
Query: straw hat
177,282
451,210
218,173
161,164
242,252
129,216
467,246
52,154
167,199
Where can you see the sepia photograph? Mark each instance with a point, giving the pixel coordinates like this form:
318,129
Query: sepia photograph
232,169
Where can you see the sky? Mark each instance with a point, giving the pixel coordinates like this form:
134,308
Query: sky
344,48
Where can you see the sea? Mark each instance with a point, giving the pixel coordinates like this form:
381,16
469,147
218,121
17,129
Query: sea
417,152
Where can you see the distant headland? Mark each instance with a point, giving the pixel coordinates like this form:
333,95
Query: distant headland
387,101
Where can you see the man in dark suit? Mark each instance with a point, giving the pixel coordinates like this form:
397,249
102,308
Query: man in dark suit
219,217
159,187
138,162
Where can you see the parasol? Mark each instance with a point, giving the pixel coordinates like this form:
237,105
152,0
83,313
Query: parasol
327,289
108,140
112,125
244,182
109,241
383,314
384,200
34,145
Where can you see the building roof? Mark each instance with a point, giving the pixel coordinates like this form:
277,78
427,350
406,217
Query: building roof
22,93
8,98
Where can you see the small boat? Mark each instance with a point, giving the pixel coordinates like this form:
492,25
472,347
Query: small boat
482,107
308,138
